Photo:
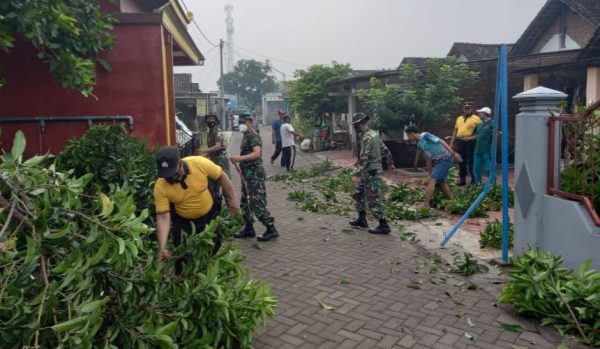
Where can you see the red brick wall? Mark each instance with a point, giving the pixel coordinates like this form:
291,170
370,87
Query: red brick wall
133,87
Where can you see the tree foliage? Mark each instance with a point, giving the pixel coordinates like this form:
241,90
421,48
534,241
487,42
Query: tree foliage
74,275
423,97
67,34
308,93
114,158
250,80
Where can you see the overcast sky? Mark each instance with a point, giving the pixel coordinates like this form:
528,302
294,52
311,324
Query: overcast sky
368,34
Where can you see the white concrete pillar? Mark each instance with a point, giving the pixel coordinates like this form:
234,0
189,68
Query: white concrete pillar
531,163
592,85
351,111
530,81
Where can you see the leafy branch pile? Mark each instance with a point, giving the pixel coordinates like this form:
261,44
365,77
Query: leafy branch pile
115,159
78,271
463,197
335,187
468,265
491,236
541,288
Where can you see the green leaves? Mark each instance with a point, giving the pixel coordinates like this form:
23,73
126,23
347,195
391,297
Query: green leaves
324,305
541,288
94,305
82,272
250,80
467,265
115,159
491,236
511,327
308,93
67,34
18,146
426,95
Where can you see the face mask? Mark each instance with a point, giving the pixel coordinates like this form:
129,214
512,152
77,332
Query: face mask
243,128
211,124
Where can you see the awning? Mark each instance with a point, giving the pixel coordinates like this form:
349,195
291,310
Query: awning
185,51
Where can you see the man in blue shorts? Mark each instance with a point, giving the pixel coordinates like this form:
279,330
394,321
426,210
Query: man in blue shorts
441,157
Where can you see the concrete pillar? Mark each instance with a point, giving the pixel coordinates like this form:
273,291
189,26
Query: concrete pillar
531,163
592,85
530,81
351,111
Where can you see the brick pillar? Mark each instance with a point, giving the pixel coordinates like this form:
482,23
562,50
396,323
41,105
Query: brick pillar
530,81
531,163
593,85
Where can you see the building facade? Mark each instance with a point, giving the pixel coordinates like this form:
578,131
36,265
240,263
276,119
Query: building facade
150,38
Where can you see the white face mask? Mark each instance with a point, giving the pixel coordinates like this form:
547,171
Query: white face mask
243,128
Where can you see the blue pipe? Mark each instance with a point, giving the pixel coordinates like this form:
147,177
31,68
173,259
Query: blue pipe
505,198
501,88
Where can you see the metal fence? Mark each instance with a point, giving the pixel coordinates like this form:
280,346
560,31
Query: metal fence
574,158
189,148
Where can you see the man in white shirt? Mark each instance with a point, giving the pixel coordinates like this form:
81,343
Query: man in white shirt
287,142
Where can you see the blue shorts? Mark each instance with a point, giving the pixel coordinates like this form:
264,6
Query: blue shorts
440,170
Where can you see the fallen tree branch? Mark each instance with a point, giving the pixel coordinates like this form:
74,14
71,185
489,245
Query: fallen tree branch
18,215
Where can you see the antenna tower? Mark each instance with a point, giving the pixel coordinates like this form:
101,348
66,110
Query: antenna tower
229,43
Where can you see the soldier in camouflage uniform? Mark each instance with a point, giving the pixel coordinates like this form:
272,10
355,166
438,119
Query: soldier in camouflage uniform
254,192
216,151
367,178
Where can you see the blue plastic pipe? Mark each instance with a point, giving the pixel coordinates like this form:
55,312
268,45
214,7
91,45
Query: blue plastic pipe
505,198
500,105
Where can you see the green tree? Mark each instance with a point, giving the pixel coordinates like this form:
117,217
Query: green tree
250,80
424,96
308,93
67,34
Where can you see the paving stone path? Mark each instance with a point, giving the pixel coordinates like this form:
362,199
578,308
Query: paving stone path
365,279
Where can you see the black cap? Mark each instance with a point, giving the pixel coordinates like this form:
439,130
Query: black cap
167,161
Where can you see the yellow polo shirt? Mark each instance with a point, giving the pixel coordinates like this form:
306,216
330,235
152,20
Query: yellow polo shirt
466,128
195,201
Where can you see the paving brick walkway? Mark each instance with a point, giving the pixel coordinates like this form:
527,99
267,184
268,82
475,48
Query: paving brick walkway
365,279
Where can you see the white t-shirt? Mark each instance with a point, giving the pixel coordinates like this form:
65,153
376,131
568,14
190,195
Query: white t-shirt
287,137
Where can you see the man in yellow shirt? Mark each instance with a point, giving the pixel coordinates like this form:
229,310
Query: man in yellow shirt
182,197
464,129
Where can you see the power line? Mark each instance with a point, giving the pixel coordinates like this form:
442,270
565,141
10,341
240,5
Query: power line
197,26
270,58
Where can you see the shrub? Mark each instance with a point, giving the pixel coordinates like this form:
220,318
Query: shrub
583,176
541,288
114,159
78,275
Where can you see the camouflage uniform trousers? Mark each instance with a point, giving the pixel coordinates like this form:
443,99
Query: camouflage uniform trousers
368,193
255,201
213,185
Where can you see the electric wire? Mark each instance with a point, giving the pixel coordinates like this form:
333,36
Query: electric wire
197,26
269,58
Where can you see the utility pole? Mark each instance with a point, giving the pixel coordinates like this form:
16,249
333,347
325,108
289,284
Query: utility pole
229,52
223,107
284,93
